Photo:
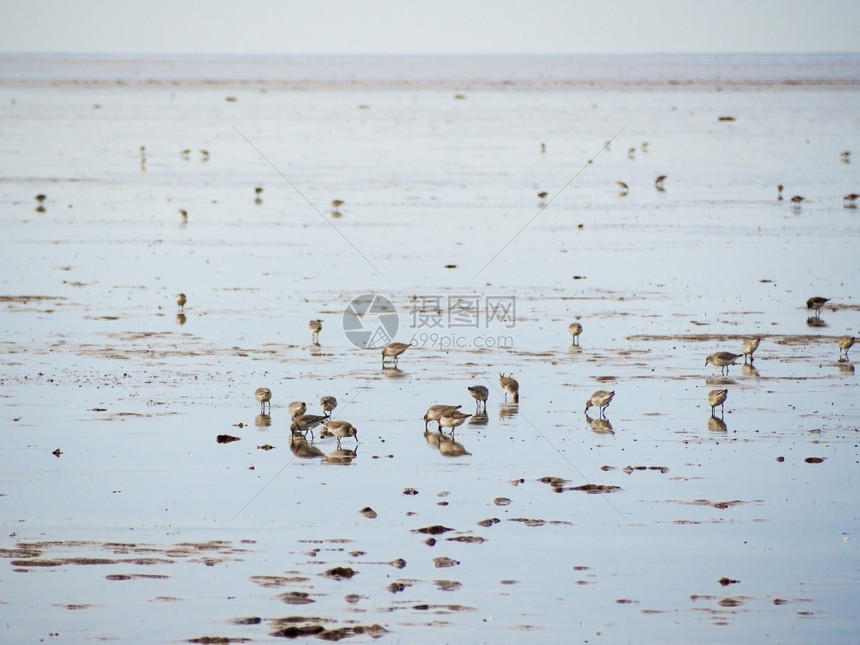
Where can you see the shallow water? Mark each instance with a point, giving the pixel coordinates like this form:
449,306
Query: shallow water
146,528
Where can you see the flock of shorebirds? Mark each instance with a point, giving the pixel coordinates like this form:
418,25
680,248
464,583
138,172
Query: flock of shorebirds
450,417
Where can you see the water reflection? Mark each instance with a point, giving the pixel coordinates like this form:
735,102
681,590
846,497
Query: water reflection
263,420
393,372
300,447
479,418
815,321
845,367
599,425
748,370
181,318
717,425
445,444
508,410
341,456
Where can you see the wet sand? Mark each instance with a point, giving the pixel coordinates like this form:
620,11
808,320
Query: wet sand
128,518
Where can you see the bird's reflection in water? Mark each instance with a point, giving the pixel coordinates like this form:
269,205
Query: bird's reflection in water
717,425
181,318
448,447
262,420
719,381
341,456
599,425
300,447
508,410
479,419
393,372
815,321
748,370
845,367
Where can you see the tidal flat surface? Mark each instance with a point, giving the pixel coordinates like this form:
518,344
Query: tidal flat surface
128,515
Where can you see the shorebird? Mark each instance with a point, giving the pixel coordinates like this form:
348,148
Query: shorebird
480,394
748,347
184,214
316,327
339,429
850,200
779,192
328,403
435,411
543,195
715,398
305,423
631,153
180,301
845,155
336,203
845,343
297,409
511,386
722,360
451,418
264,396
600,400
258,190
797,199
658,183
816,303
574,329
393,350
623,188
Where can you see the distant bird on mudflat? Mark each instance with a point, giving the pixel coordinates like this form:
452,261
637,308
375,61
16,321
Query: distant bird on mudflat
722,360
180,301
393,350
600,400
845,343
511,386
339,429
623,188
574,329
779,192
748,347
328,403
658,183
316,327
451,418
850,200
717,397
816,303
264,396
480,393
297,409
798,199
435,411
305,423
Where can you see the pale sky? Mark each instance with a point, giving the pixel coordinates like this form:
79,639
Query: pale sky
428,27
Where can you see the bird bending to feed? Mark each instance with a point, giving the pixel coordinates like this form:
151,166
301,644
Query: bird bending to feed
339,429
623,188
480,394
658,183
435,411
748,347
328,403
264,396
316,327
180,301
722,360
305,423
715,398
393,350
816,303
543,195
451,418
797,199
511,386
600,400
574,329
297,409
845,343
